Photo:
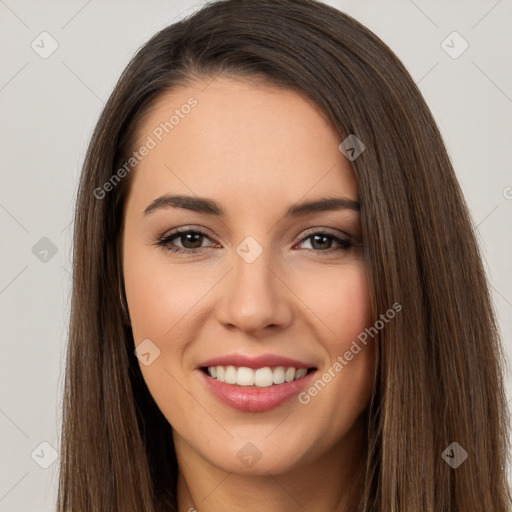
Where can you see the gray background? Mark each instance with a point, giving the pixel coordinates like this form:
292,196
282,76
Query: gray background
48,111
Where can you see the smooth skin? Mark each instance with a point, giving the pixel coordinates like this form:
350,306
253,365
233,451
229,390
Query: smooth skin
256,149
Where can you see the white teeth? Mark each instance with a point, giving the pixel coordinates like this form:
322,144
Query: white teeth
261,377
278,375
301,372
245,376
289,374
230,375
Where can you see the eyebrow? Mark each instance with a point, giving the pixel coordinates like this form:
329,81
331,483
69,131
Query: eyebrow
210,207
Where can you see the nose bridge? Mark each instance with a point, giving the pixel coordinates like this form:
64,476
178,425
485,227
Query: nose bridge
253,297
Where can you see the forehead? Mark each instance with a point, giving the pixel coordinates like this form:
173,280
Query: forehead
242,141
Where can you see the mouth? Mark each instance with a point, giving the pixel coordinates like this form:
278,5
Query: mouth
263,377
255,384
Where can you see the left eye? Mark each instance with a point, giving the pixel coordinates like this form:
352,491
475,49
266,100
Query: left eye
320,239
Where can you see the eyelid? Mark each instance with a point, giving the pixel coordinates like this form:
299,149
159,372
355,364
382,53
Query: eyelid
300,238
328,231
174,233
186,229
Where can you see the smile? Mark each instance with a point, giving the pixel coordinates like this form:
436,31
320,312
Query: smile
260,377
255,384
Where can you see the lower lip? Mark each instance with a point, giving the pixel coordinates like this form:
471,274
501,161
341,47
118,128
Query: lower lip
254,399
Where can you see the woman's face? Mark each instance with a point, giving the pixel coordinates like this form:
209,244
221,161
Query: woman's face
261,286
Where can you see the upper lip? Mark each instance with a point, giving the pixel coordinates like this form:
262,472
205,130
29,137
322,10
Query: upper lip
255,362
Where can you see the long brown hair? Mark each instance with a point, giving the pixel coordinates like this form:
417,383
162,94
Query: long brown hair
440,378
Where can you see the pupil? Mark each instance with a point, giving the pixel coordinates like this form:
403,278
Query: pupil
322,246
192,238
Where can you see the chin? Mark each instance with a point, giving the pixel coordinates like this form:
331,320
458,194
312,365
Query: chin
252,457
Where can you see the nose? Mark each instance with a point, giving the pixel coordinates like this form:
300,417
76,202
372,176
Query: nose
254,297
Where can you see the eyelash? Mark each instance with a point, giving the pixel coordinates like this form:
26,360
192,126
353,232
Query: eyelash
165,240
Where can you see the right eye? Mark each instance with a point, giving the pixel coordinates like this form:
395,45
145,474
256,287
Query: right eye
192,237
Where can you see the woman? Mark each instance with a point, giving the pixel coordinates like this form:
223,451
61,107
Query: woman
278,300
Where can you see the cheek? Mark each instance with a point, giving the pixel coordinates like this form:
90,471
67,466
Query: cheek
161,302
352,309
159,297
343,305
352,314
340,300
